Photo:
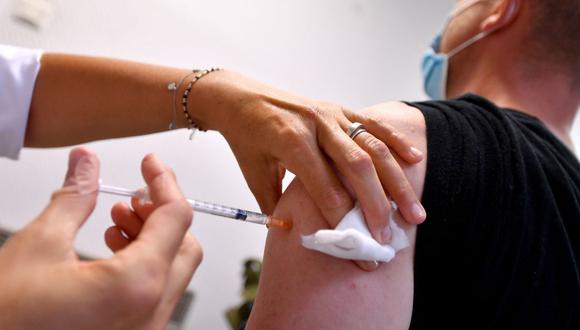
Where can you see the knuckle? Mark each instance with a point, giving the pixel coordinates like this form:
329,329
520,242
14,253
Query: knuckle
192,250
296,140
321,113
335,199
386,210
382,214
171,172
310,113
388,131
372,122
145,294
395,135
378,148
359,161
57,194
184,211
402,192
143,289
386,207
367,120
347,112
290,134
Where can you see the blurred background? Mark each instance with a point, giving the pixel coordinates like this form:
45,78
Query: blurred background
353,52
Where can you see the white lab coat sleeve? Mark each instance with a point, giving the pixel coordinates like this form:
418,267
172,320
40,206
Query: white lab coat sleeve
18,71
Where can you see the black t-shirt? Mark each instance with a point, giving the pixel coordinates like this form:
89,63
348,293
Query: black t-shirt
500,248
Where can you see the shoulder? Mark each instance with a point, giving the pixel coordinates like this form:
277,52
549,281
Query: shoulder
407,120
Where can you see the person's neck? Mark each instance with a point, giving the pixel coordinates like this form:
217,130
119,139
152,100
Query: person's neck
548,97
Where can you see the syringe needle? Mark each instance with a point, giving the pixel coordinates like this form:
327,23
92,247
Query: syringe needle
280,223
208,208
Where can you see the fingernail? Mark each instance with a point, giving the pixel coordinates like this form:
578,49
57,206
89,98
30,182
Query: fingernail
416,152
370,265
85,176
153,157
386,235
143,196
418,212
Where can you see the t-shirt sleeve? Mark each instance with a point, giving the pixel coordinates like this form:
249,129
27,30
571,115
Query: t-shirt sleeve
466,171
19,68
498,249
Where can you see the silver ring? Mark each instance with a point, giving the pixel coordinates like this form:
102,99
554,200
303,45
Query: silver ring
355,129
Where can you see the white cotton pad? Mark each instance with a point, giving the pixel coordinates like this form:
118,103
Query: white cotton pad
352,240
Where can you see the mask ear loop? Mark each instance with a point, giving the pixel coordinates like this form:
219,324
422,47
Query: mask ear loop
454,13
468,43
443,86
481,35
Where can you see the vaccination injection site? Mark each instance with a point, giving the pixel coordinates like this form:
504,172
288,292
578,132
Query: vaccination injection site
230,165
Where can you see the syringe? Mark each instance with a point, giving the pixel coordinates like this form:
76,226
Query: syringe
204,207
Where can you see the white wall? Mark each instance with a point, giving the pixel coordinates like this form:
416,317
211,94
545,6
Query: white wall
354,52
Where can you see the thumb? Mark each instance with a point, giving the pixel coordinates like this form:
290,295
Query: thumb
72,204
265,182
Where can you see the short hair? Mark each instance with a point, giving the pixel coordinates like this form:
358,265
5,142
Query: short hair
555,34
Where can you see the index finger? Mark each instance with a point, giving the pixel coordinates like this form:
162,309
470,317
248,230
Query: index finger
358,168
165,228
160,181
322,184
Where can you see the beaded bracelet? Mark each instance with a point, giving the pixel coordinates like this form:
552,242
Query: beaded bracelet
199,74
173,87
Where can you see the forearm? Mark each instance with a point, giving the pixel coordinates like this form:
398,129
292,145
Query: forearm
79,99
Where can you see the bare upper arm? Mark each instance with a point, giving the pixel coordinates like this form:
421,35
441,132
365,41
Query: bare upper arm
303,289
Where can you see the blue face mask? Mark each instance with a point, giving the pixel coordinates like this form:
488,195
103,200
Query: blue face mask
435,65
434,68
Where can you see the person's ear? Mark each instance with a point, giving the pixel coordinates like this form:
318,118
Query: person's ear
505,13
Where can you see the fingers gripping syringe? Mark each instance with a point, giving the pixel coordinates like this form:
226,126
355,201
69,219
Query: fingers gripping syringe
204,207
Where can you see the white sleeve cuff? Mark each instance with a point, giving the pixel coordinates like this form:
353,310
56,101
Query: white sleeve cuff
18,71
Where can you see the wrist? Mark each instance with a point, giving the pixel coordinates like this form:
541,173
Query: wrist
208,100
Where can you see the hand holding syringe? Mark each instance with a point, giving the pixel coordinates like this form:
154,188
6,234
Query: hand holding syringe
204,207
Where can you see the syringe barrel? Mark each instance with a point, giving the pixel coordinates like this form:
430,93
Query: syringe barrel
229,212
214,209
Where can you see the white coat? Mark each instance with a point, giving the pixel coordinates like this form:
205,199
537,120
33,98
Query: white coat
18,71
